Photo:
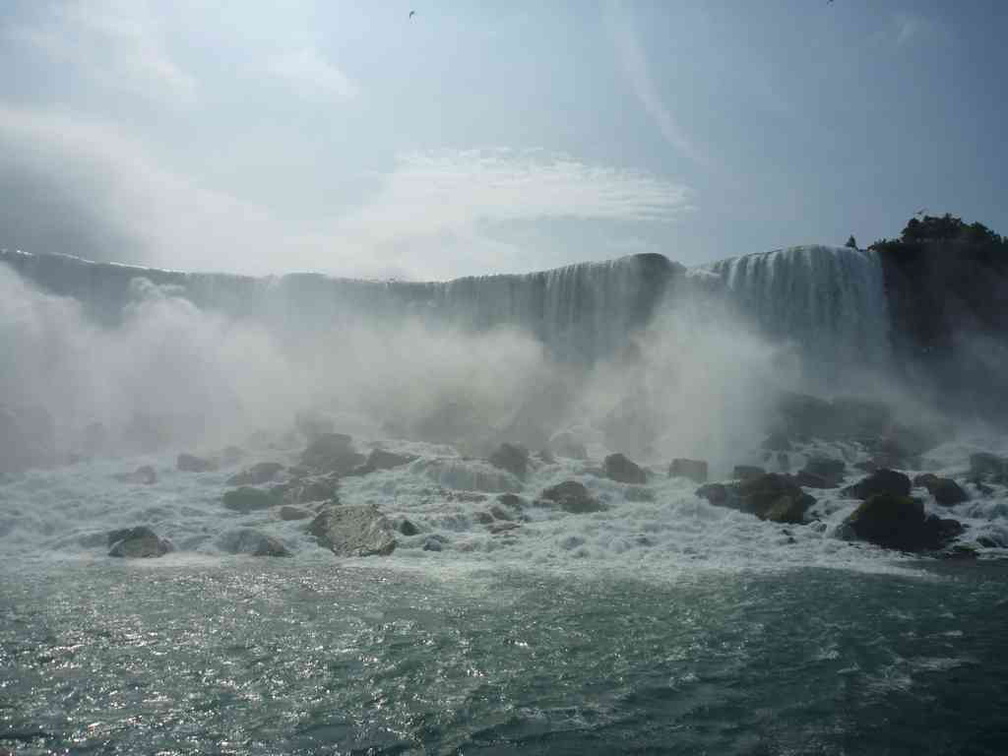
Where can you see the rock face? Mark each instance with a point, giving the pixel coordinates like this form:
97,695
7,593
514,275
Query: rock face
259,473
899,522
621,469
946,491
511,457
881,482
694,469
137,543
571,496
769,496
247,499
331,452
353,530
254,543
194,464
144,475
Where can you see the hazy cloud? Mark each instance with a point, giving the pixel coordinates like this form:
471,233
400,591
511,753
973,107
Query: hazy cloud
312,76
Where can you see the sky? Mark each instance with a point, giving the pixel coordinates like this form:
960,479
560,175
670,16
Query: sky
478,137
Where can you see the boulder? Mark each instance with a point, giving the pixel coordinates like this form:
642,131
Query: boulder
407,528
511,457
433,543
898,522
946,491
144,475
192,463
254,543
773,497
353,530
715,493
880,482
830,470
811,480
747,472
379,459
621,469
508,507
247,499
137,543
693,469
332,453
287,512
571,496
259,473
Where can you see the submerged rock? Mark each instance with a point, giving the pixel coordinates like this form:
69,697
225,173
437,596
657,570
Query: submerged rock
144,475
571,496
407,528
882,481
254,543
693,469
353,530
623,470
137,543
379,459
247,499
332,452
898,522
192,463
946,491
288,512
259,473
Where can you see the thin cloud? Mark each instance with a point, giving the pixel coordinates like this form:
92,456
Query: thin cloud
116,44
312,75
634,65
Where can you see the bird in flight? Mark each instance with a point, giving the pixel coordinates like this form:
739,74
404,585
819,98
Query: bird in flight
412,13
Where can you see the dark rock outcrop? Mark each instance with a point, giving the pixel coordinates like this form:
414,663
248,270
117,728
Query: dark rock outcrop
407,528
511,457
332,453
880,482
769,496
946,491
137,543
623,470
898,522
379,459
259,473
192,463
247,499
254,543
353,530
747,472
693,469
571,496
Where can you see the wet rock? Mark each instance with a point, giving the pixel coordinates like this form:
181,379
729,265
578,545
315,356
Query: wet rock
746,472
192,463
881,481
483,517
433,543
379,459
288,512
144,475
511,457
715,493
693,469
773,497
571,496
259,473
354,530
830,470
254,543
899,522
137,543
503,527
407,528
638,493
621,469
546,457
307,490
332,453
247,499
511,501
946,491
811,480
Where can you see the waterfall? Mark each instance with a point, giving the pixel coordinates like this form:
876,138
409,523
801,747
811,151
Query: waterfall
829,301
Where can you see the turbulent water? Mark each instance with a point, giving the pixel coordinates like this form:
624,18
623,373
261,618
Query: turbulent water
657,623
